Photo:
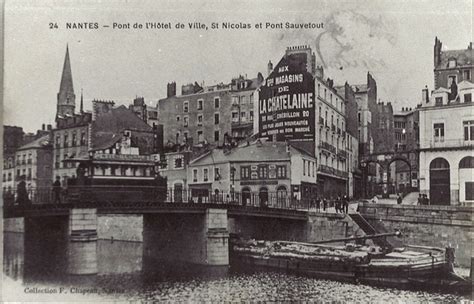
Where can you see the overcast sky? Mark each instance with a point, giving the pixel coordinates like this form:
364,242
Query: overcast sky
391,39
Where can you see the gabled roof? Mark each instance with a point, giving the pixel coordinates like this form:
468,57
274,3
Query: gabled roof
260,152
465,84
37,143
107,129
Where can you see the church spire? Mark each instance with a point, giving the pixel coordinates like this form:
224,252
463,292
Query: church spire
66,97
66,78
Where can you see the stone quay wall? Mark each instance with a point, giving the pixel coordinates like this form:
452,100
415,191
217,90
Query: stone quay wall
438,226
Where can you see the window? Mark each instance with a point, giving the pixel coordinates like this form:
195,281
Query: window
74,139
467,75
216,118
262,172
83,138
235,100
216,102
178,163
243,116
199,105
177,118
452,63
304,167
251,99
468,97
23,159
468,130
30,158
217,174
205,173
4,178
199,120
439,101
235,117
469,191
319,90
216,136
245,172
451,79
65,165
281,171
438,131
200,136
186,107
66,139
56,164
185,121
358,116
251,115
195,175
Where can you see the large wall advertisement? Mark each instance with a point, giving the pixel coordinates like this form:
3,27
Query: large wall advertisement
286,101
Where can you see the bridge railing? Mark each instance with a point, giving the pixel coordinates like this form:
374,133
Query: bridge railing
149,194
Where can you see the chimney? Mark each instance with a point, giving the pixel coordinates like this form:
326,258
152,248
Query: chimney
269,67
101,107
171,89
469,47
50,127
43,127
424,95
319,72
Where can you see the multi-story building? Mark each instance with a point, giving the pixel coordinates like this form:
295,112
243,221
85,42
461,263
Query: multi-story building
333,170
12,140
34,160
352,141
198,115
447,130
406,132
243,104
147,113
257,172
210,114
452,66
367,116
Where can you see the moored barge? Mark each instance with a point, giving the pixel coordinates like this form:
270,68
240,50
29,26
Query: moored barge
404,267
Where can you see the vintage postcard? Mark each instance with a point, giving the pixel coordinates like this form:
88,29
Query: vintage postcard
250,151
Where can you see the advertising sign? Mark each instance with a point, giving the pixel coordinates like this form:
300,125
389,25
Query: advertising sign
286,105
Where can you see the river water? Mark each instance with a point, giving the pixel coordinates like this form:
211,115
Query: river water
41,271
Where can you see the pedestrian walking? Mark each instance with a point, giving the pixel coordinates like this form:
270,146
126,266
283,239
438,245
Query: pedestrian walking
420,199
57,191
318,204
325,204
346,204
399,199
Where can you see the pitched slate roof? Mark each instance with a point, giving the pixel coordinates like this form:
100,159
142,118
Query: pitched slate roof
107,129
463,57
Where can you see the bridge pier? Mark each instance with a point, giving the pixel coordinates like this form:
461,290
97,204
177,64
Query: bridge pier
199,238
82,245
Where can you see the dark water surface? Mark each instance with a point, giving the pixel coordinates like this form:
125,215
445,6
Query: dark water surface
46,270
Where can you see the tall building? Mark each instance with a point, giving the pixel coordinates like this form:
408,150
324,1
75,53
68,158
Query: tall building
66,99
406,131
452,66
209,114
447,130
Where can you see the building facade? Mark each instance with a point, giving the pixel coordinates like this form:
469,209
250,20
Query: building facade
254,173
447,131
146,112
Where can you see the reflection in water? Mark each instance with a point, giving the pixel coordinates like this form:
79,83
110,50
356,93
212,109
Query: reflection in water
123,274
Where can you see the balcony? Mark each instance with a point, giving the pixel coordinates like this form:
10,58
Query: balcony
442,143
332,171
342,154
328,147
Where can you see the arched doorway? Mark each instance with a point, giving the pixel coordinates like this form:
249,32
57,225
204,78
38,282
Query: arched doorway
263,196
466,182
439,182
246,196
282,196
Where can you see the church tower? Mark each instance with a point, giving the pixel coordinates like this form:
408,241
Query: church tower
66,97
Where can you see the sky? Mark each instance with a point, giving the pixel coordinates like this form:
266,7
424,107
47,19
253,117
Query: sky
391,39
